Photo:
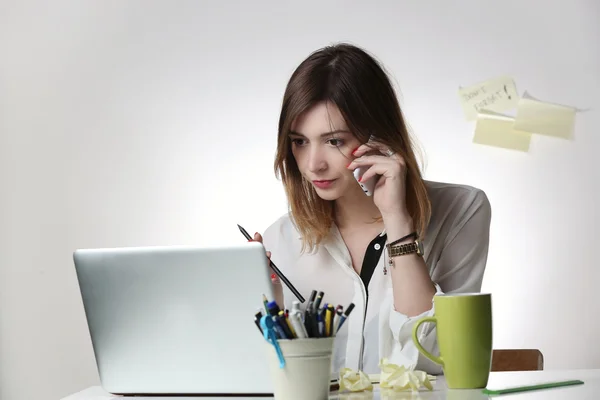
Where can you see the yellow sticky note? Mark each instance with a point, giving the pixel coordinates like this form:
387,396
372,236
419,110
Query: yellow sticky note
546,119
499,94
498,130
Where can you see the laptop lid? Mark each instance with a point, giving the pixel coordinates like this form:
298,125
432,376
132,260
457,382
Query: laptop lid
176,319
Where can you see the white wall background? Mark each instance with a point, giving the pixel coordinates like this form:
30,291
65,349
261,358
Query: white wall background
154,122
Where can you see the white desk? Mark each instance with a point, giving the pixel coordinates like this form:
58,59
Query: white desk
589,390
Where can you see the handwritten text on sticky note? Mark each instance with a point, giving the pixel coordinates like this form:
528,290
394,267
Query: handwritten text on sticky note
497,94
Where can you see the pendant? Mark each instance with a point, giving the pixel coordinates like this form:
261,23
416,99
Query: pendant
390,263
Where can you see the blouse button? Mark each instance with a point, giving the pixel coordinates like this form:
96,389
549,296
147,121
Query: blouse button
377,246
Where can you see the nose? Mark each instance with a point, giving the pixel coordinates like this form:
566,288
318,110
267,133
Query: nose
316,159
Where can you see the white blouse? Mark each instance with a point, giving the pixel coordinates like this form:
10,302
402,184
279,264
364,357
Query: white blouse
456,248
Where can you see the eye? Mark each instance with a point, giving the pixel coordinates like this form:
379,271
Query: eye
336,142
298,142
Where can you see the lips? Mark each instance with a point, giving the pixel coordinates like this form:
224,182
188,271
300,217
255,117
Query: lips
323,184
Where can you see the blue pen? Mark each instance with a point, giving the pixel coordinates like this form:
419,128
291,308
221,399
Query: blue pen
274,311
266,324
277,324
344,316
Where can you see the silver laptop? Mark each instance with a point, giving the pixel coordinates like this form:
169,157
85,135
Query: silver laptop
176,320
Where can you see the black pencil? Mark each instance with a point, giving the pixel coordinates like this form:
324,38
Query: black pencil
277,271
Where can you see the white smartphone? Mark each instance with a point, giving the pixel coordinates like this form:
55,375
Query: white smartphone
369,186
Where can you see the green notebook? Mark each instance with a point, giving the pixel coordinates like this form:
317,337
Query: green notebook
532,387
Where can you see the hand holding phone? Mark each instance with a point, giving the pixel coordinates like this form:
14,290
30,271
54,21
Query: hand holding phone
369,185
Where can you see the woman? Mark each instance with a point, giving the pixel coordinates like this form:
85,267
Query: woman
340,112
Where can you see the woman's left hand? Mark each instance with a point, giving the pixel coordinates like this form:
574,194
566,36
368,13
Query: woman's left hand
390,190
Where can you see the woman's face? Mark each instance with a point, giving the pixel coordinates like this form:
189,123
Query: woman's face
322,146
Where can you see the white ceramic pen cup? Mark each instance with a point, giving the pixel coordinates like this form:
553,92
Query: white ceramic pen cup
307,371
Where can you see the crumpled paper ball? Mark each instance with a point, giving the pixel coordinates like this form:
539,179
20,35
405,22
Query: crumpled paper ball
400,378
392,378
354,381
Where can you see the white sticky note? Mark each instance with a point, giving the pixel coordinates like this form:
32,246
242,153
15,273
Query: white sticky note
499,94
544,118
498,130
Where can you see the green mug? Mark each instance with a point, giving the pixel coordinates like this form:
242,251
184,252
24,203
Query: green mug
464,336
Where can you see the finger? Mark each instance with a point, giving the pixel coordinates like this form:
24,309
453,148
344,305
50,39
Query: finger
269,255
364,148
375,159
386,169
258,237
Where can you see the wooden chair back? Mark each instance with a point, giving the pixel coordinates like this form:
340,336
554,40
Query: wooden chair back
517,360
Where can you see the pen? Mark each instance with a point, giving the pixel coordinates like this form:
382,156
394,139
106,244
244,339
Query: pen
322,313
273,308
296,320
318,301
277,271
265,302
328,320
257,318
287,327
309,306
313,295
336,318
284,326
297,324
321,327
273,311
307,322
344,316
289,321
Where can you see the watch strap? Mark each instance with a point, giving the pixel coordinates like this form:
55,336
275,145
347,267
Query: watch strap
407,248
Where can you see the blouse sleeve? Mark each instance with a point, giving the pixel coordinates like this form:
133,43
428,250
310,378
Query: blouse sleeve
459,269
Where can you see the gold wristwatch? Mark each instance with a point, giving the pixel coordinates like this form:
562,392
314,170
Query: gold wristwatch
403,249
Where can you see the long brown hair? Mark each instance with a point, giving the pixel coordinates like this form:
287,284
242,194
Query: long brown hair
357,84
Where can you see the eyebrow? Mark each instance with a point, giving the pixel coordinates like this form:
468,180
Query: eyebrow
322,134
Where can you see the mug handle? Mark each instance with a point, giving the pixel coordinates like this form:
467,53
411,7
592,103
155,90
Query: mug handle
437,360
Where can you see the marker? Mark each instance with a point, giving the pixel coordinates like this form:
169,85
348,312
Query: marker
318,301
313,294
344,316
311,301
296,320
298,326
329,320
308,322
